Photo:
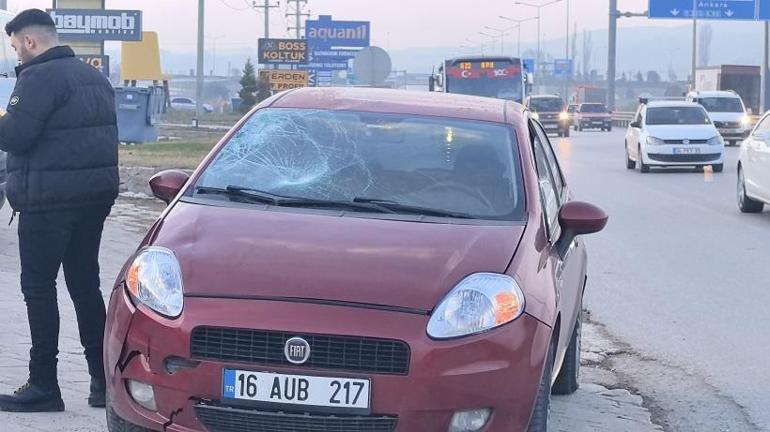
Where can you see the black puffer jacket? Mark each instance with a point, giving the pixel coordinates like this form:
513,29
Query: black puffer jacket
61,135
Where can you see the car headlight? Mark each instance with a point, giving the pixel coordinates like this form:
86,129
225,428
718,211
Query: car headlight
563,116
480,302
536,116
155,279
655,141
746,121
717,140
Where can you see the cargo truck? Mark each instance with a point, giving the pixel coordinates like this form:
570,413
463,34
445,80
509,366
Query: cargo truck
744,80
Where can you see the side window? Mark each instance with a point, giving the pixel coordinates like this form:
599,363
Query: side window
546,183
553,163
764,125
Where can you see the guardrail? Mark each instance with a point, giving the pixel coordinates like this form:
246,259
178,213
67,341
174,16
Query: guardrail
622,119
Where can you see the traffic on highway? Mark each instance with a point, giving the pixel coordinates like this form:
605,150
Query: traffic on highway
325,239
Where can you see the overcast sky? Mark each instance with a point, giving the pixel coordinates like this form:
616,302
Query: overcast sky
397,24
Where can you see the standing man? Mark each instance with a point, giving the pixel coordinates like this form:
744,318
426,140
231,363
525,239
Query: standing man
61,135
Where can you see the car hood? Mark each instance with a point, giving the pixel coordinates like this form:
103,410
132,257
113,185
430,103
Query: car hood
253,253
595,115
726,117
674,132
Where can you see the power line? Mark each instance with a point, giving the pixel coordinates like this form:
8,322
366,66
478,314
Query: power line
298,14
266,6
235,8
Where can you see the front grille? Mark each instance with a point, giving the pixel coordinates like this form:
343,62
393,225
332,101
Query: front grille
349,353
695,141
684,157
727,125
221,419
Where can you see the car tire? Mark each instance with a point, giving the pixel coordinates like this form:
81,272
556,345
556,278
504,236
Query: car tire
568,380
580,128
718,168
566,133
541,412
745,203
117,424
630,164
643,167
609,129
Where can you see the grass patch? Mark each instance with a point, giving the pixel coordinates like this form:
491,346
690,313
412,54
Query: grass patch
166,155
185,117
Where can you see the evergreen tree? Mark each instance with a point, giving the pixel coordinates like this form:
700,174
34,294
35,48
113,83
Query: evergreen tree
248,87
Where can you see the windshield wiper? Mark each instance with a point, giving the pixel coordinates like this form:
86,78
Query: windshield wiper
410,209
264,197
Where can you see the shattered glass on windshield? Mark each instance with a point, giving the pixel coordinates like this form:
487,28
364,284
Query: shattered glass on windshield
438,163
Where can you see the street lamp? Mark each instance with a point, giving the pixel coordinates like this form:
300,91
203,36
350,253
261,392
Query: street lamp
214,40
477,44
491,37
518,25
503,33
538,7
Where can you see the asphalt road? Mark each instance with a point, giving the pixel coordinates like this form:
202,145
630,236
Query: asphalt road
683,278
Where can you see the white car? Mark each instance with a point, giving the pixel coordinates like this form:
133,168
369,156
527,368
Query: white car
187,104
727,111
754,168
673,134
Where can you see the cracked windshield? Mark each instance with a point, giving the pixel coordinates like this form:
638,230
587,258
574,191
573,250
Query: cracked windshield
394,216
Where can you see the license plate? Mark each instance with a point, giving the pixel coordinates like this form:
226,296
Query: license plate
274,388
686,150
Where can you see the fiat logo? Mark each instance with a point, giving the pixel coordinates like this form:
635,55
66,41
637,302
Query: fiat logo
685,141
296,350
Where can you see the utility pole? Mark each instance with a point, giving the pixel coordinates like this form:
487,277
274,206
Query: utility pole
694,42
199,77
763,102
611,55
4,4
266,6
298,14
566,56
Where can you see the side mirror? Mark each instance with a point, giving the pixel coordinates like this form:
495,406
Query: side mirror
432,83
166,185
635,125
578,218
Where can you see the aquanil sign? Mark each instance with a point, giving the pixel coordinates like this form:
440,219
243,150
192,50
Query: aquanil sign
325,33
284,80
283,51
98,25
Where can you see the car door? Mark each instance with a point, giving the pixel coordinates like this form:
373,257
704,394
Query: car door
569,270
756,164
633,133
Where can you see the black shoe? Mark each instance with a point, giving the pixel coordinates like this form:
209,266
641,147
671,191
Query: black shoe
33,398
98,396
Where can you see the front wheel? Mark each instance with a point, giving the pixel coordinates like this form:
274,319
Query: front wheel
568,380
745,203
566,133
541,413
630,164
718,168
643,167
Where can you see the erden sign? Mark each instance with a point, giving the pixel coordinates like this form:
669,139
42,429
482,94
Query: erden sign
96,25
284,79
283,51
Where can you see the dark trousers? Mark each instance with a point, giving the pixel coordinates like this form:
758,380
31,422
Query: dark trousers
48,240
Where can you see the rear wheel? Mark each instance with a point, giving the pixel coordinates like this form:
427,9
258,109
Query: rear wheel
117,424
568,380
566,132
745,203
541,413
630,164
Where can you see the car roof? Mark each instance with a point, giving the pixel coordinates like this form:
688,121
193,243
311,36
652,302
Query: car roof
400,102
545,96
671,104
716,93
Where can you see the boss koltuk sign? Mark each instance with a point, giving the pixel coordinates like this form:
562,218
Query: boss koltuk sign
283,51
96,25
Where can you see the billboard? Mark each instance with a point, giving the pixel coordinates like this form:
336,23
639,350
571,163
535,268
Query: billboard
94,25
284,79
283,51
100,62
326,34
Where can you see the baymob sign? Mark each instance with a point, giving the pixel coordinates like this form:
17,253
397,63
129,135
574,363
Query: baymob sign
98,25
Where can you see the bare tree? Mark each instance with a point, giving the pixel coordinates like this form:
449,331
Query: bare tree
574,43
704,44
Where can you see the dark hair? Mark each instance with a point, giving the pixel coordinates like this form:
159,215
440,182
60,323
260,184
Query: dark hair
28,18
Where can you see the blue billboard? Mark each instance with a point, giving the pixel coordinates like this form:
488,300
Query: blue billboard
732,10
562,68
325,33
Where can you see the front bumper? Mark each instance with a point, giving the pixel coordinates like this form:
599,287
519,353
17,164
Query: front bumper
555,124
666,155
596,123
730,134
500,369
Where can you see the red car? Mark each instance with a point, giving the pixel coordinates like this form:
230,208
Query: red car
357,260
593,116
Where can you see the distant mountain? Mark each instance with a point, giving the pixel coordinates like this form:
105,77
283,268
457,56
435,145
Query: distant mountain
639,49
